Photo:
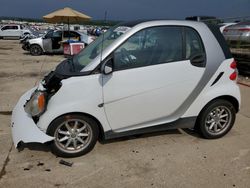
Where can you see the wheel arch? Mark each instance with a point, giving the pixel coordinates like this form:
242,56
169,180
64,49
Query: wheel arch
101,131
37,44
228,98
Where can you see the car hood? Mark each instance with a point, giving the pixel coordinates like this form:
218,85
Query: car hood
35,40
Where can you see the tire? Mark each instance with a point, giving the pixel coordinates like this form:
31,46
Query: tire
216,119
36,50
70,140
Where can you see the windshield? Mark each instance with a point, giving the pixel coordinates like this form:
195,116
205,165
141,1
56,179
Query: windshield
48,34
94,49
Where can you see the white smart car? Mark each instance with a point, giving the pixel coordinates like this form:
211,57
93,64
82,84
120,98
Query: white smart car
138,77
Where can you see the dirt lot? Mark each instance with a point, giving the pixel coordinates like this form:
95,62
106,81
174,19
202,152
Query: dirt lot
171,159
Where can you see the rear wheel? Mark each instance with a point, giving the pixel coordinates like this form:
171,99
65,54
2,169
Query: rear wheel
75,135
216,119
36,50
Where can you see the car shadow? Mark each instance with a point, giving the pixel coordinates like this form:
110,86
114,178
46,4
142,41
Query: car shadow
46,147
45,54
26,53
154,134
34,146
192,132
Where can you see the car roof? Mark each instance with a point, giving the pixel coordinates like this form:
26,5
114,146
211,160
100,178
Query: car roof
240,25
78,32
163,21
11,25
244,23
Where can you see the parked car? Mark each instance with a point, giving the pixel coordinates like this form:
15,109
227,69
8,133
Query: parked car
238,39
139,77
224,26
51,42
33,34
13,31
238,32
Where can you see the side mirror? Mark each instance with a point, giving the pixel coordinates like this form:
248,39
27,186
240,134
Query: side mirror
107,66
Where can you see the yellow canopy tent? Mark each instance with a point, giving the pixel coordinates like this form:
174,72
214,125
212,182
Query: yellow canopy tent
66,15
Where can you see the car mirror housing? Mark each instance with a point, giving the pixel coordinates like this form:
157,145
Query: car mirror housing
107,66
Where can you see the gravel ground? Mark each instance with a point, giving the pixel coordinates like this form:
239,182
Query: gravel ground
177,158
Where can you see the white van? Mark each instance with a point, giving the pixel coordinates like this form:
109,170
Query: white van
138,77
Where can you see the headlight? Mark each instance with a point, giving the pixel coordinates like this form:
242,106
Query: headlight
37,104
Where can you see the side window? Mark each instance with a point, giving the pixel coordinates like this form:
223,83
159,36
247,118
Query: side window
150,46
74,34
194,44
66,34
15,27
76,28
49,34
57,34
4,28
8,27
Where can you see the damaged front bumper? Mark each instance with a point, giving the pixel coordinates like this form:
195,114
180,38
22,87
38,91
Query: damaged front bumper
23,127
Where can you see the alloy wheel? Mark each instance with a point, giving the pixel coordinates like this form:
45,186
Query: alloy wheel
73,135
218,119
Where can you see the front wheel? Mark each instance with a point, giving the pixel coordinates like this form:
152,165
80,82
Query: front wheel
35,50
216,119
75,135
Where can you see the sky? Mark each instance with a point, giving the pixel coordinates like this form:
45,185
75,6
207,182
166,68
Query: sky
128,9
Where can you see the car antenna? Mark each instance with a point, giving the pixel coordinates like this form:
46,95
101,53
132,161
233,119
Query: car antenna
105,20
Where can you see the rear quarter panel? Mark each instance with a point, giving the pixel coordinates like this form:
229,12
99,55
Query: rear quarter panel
223,87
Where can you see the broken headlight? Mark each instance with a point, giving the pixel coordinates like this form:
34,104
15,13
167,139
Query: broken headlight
37,104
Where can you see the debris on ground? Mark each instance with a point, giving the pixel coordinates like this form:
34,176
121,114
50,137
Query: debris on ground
40,163
66,163
28,167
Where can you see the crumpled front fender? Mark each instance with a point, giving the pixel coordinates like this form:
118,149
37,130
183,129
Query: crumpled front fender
22,125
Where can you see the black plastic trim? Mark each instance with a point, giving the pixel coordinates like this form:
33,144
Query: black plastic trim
217,78
180,123
221,40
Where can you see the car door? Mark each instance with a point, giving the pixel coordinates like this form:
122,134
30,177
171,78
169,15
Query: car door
6,31
56,40
15,32
10,31
152,78
47,41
